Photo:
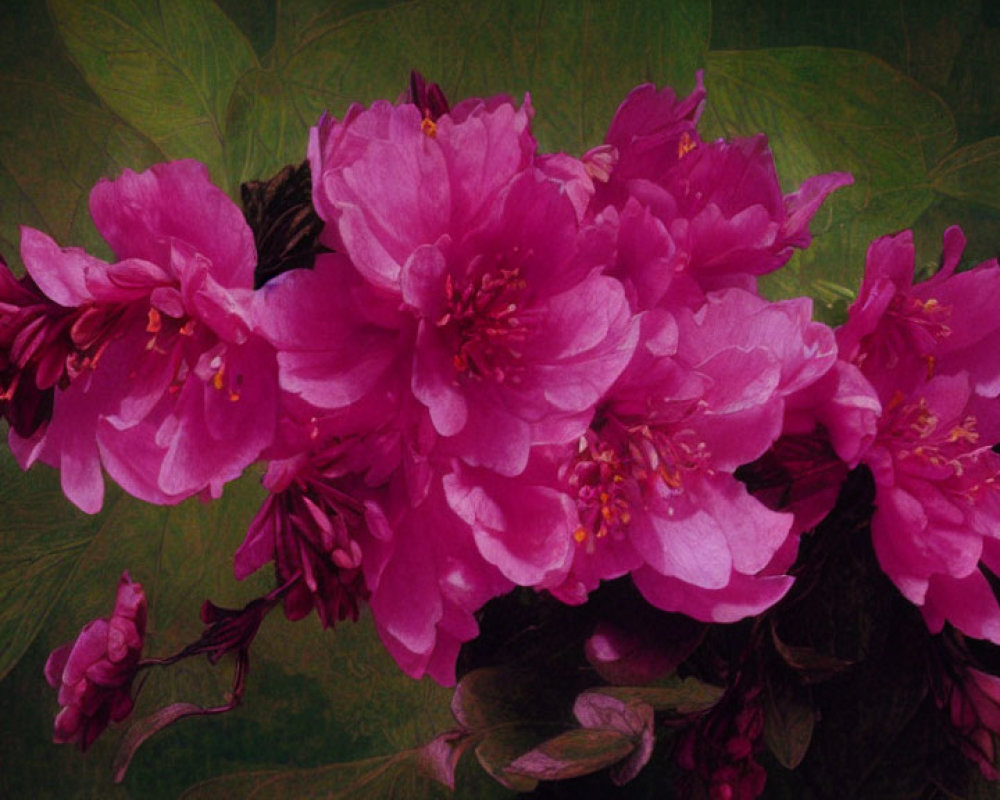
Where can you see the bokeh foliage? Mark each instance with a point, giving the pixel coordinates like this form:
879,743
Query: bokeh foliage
903,95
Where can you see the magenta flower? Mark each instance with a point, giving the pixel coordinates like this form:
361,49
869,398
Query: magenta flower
94,673
937,505
935,474
900,333
720,202
168,385
486,285
427,580
828,427
653,477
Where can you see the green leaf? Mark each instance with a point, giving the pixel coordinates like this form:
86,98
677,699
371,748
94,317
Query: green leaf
811,665
502,746
494,696
56,140
971,173
833,110
578,59
682,696
166,67
789,720
371,779
42,538
573,753
949,48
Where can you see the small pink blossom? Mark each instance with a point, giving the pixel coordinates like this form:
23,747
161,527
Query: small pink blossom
36,352
94,673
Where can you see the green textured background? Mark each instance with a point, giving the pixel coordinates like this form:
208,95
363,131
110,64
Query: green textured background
901,94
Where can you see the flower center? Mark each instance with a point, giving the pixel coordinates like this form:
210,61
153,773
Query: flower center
613,471
685,145
598,478
918,326
489,325
916,435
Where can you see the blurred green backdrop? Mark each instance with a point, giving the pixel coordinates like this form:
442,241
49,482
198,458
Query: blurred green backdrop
901,94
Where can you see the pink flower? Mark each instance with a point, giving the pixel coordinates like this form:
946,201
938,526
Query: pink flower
937,505
94,673
485,278
168,385
427,580
828,427
900,333
721,202
927,350
653,477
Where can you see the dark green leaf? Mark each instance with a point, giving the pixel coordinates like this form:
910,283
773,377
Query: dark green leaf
578,59
789,720
379,778
971,173
494,696
166,67
140,730
682,696
810,664
502,746
42,539
573,753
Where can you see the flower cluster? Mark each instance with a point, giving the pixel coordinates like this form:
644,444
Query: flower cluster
507,368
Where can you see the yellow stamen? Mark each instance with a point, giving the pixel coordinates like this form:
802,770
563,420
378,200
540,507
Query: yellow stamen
685,145
428,127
